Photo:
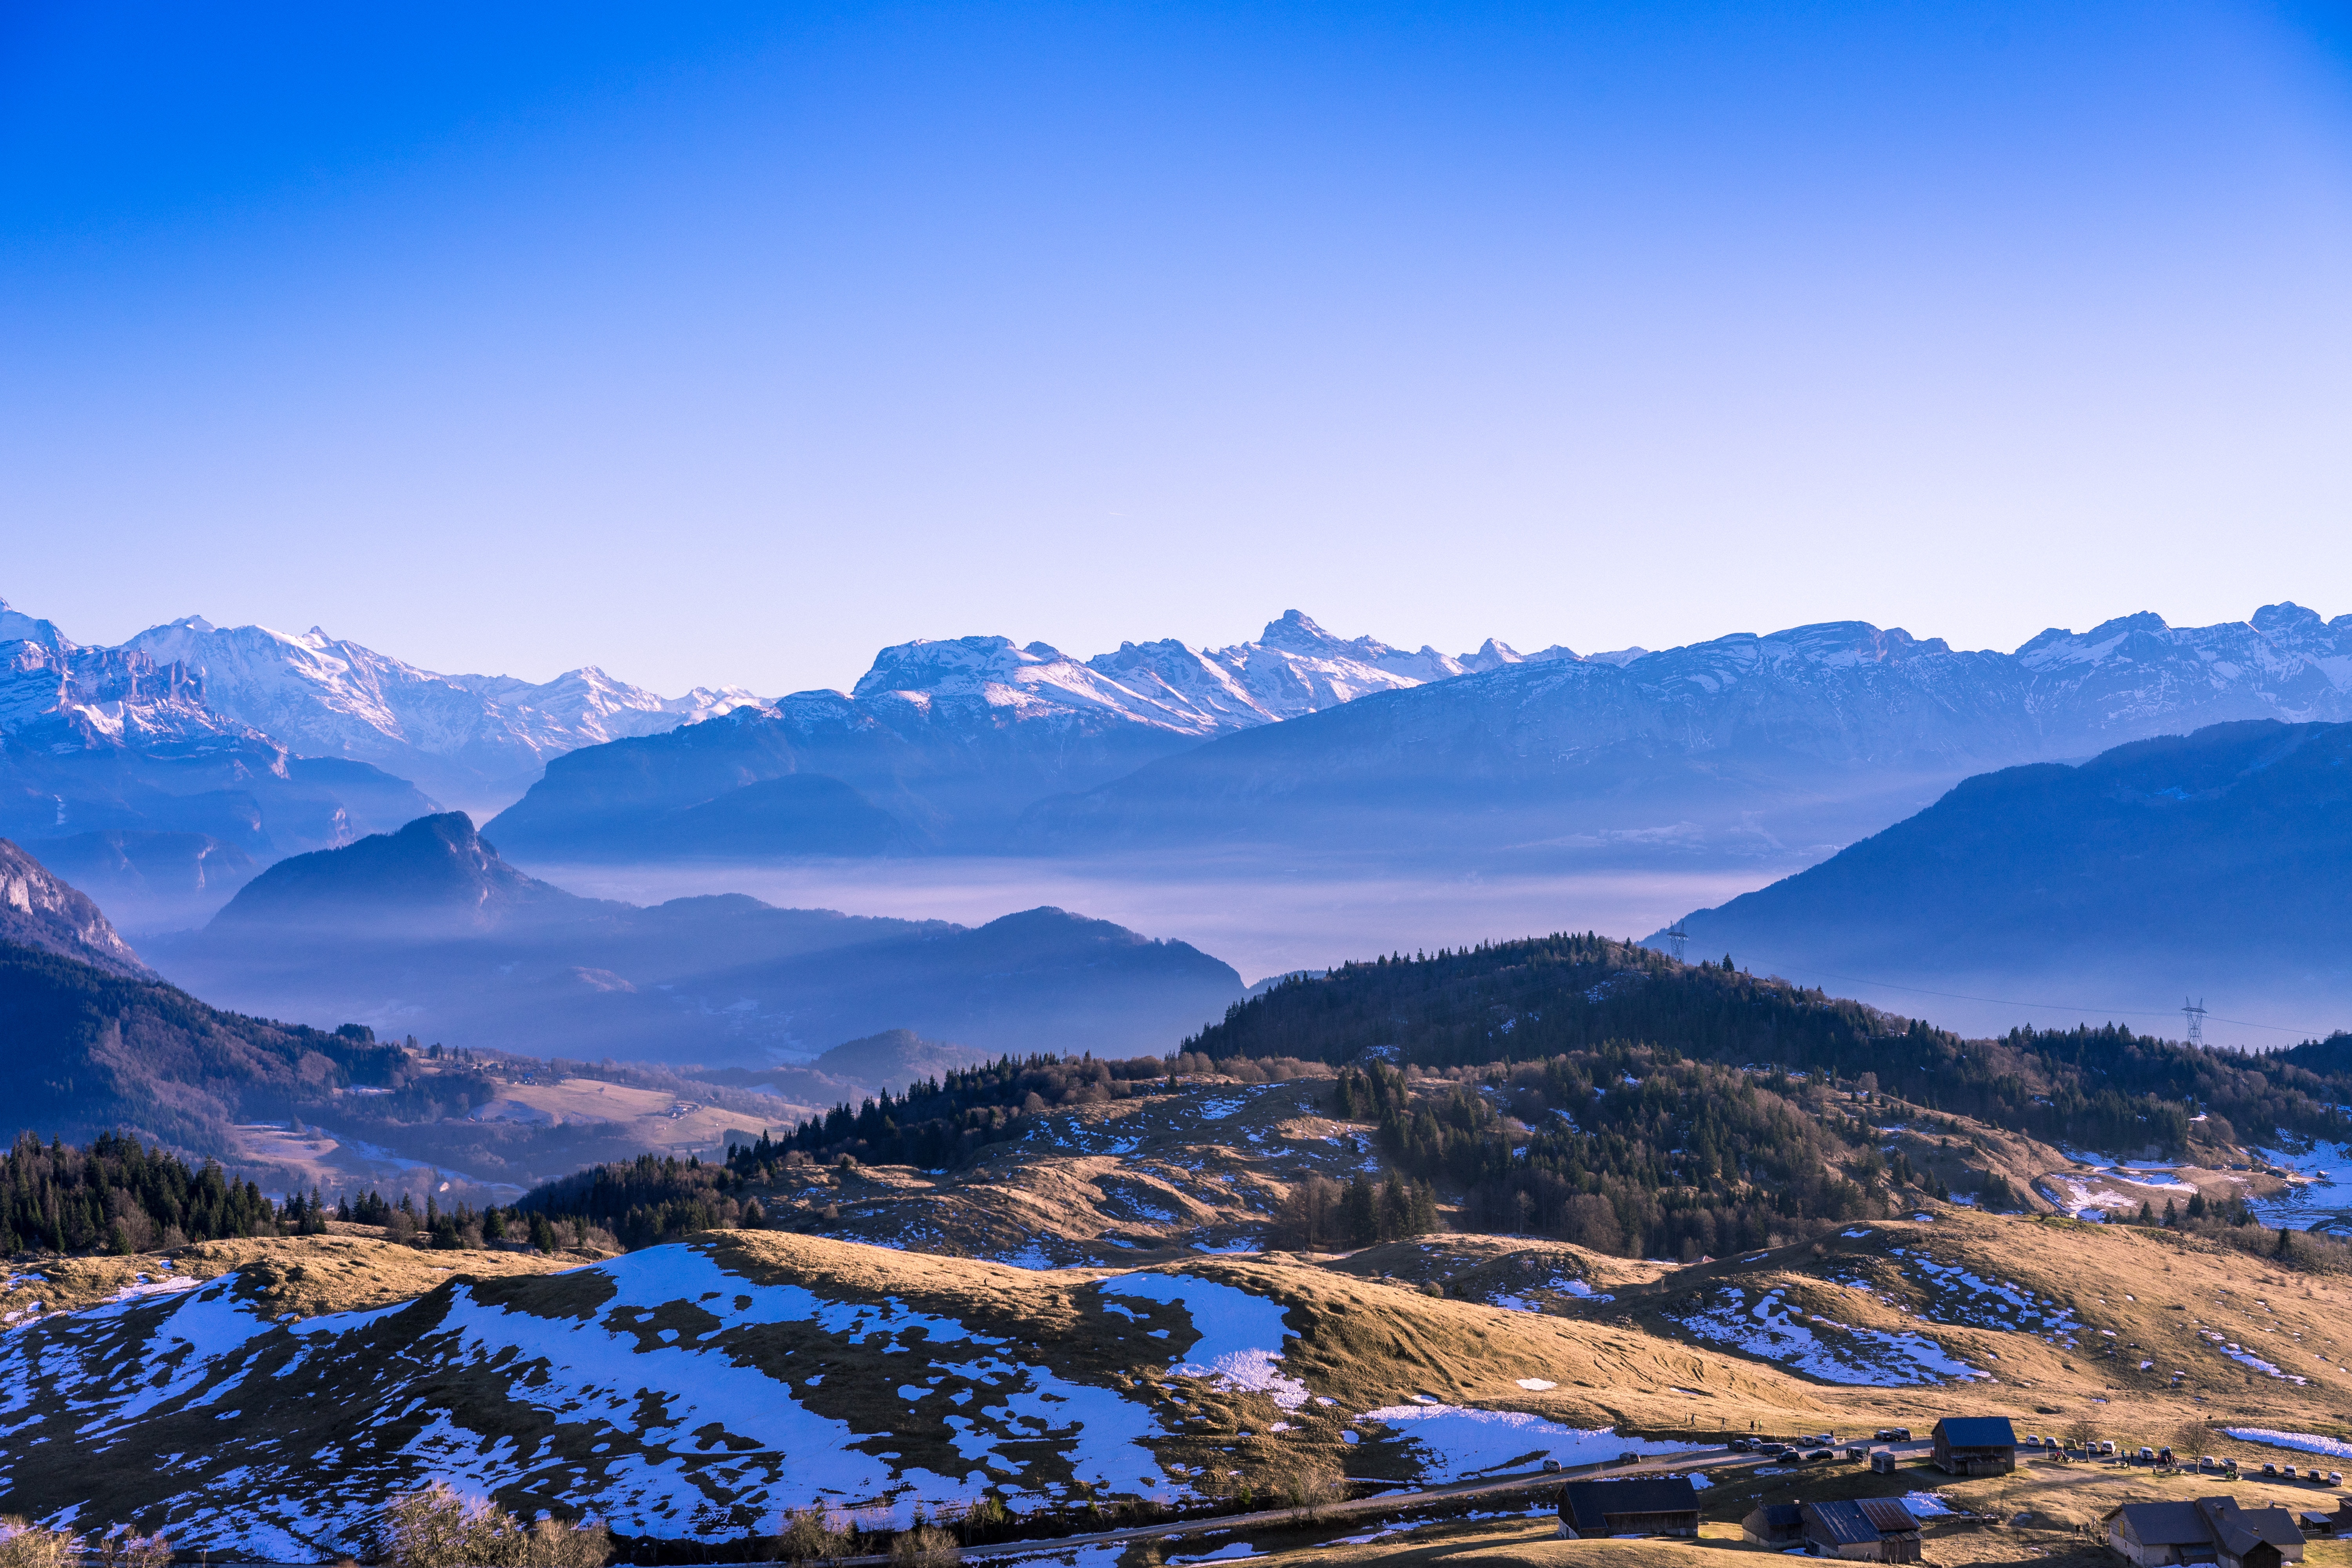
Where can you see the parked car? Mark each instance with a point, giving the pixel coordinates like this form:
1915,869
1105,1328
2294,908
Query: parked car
2146,1456
2207,1464
1550,1466
2106,1450
1820,1455
2287,1472
1892,1435
1773,1450
2271,1471
1629,1458
1742,1445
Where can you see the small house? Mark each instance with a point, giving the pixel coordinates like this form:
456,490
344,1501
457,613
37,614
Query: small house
2211,1530
1651,1505
1862,1529
1975,1446
1774,1524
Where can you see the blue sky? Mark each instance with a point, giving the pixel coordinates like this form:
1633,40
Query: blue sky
726,344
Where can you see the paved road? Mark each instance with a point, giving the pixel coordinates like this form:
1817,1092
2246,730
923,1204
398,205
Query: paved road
1357,1507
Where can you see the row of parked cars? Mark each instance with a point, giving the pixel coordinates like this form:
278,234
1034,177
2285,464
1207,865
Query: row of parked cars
1795,1452
2207,1464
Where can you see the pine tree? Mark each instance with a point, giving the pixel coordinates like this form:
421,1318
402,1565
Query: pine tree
1360,1220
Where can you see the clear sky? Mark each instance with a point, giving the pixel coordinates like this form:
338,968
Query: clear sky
717,344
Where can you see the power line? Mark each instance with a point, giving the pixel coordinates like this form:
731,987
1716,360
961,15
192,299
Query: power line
2053,1006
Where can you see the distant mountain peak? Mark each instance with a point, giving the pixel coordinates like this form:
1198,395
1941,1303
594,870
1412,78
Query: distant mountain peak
437,871
40,910
17,626
475,738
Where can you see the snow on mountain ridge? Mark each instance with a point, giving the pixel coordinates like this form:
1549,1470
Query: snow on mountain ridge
464,737
65,698
15,625
1295,667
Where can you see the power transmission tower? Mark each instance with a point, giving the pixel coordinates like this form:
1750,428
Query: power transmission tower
1680,938
2195,1013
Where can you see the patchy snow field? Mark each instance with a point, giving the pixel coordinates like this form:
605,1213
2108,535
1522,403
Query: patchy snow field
1458,1444
2305,1442
1821,1348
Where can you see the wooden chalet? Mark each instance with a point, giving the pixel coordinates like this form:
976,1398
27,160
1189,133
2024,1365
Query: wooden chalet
2211,1530
1862,1529
1639,1505
1774,1524
1975,1446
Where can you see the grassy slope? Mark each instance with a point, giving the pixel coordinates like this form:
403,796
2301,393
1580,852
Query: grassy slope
1629,1364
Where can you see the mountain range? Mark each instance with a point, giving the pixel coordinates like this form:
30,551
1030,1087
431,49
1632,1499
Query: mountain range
428,931
191,754
942,745
469,739
162,771
111,742
1762,744
2212,863
1782,745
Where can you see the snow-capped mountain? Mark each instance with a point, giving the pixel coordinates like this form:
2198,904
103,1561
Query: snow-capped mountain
98,741
470,739
1295,667
61,698
1807,737
952,739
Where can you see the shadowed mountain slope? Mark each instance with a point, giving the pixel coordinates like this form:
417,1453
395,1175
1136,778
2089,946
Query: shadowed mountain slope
430,930
2221,857
84,1051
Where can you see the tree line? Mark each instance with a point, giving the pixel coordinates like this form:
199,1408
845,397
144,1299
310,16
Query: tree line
120,1195
932,1125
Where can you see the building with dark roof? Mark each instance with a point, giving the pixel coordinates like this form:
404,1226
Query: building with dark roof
1975,1446
1640,1505
2211,1530
1863,1530
1774,1524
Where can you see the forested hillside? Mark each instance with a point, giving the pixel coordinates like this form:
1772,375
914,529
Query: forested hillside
1525,1002
934,1124
83,1051
119,1194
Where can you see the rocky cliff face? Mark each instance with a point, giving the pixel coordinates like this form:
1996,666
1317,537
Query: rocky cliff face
39,910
